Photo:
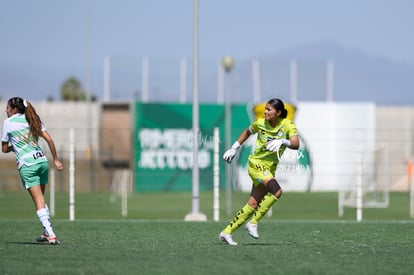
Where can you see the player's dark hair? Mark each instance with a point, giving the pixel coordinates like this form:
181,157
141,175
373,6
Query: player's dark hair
279,106
24,107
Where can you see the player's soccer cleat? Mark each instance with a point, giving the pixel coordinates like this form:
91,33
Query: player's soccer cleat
42,238
53,240
45,238
225,237
252,230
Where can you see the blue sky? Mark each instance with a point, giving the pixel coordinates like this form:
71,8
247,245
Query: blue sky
68,34
36,31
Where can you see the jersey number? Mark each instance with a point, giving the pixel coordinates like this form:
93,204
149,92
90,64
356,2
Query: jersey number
38,155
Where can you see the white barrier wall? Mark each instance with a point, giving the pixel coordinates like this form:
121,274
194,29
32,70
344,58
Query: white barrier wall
335,133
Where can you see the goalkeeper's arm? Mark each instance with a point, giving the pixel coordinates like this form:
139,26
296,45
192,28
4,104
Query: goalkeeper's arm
230,153
292,142
244,136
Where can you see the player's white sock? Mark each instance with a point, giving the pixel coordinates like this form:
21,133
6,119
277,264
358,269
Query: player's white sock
48,212
44,219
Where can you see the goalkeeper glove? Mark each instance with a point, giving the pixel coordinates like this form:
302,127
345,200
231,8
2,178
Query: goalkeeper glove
229,154
274,144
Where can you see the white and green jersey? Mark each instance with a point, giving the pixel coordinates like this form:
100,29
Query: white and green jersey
16,131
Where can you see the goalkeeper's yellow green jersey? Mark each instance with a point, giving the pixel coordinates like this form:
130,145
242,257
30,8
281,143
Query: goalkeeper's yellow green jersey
266,132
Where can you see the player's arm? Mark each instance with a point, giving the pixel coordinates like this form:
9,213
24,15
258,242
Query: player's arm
52,148
5,147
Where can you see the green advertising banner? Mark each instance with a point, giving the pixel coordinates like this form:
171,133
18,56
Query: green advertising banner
163,139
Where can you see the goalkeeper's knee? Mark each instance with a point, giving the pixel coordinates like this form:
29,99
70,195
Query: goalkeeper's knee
274,188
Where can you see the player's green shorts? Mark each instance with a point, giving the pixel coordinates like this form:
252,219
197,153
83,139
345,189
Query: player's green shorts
34,175
258,171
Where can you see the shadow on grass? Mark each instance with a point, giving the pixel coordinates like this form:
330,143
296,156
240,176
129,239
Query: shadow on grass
260,244
268,244
28,243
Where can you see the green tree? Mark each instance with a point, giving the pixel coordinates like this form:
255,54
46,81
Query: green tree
71,90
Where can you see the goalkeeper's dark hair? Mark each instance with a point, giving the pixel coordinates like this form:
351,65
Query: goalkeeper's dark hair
24,107
279,106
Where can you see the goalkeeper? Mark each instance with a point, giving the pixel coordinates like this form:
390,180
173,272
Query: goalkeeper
274,133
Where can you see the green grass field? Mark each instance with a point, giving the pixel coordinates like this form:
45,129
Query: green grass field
303,236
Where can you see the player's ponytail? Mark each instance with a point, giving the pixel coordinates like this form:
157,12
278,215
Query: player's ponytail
33,119
279,106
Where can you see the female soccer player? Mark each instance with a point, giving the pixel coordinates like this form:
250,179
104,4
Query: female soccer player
21,132
274,133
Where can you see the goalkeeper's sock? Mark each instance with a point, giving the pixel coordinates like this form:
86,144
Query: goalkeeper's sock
44,219
240,218
264,206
